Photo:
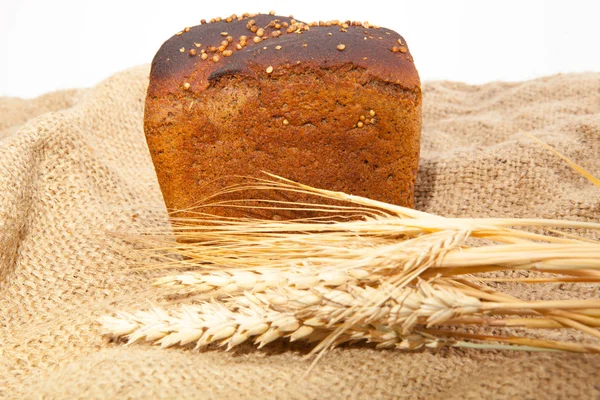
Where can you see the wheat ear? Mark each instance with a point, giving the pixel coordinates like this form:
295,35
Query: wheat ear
217,284
297,313
210,323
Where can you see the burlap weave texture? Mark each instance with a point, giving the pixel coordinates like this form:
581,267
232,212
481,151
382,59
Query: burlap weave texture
74,168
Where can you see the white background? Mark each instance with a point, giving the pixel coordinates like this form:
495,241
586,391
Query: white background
47,45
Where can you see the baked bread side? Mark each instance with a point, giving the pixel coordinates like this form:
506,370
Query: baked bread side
333,105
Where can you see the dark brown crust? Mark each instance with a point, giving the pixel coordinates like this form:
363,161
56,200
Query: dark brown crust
171,65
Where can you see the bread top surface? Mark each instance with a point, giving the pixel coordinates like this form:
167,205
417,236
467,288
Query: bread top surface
179,64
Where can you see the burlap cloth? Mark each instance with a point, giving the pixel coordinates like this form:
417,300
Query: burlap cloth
74,167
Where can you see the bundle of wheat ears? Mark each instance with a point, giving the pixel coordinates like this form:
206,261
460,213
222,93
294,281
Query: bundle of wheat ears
387,275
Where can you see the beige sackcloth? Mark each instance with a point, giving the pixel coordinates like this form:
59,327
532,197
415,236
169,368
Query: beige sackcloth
75,168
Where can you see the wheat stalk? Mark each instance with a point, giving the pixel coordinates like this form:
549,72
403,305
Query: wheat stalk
276,288
314,314
384,240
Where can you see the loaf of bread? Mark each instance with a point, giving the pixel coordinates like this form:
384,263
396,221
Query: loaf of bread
335,105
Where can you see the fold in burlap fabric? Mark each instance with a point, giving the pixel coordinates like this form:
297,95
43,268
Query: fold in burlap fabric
74,168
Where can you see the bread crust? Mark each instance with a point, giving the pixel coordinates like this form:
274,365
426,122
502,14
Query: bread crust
171,67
